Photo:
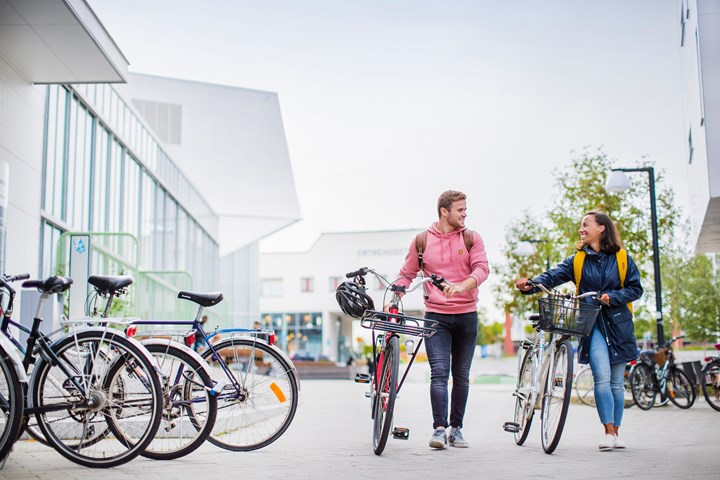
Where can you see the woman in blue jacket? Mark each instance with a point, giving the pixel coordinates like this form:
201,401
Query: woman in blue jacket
611,344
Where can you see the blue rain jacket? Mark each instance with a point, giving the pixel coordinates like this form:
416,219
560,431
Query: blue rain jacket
600,274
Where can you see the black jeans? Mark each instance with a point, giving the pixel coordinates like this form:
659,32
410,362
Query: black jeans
451,349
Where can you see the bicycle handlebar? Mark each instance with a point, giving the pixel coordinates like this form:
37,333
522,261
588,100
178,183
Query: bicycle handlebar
550,292
436,280
358,273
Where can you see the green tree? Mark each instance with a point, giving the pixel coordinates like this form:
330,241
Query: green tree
580,188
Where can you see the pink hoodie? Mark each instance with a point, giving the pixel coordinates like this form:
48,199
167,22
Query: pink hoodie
445,255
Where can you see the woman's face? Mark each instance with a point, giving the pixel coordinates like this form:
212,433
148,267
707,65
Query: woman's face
590,230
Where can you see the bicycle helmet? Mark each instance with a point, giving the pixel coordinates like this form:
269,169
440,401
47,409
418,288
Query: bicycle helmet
353,300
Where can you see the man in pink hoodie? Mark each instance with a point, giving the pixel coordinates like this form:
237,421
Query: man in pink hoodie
455,308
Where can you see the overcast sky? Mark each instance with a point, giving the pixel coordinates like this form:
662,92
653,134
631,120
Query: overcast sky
388,103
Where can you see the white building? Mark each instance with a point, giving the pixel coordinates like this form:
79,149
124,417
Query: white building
163,175
298,290
700,56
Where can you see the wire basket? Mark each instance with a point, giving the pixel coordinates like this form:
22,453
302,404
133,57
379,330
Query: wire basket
567,316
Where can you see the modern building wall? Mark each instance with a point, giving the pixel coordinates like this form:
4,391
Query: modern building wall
298,289
700,64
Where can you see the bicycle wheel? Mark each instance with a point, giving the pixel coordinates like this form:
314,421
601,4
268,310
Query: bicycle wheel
524,408
556,399
189,410
11,403
710,381
259,401
385,394
643,386
681,390
108,407
585,386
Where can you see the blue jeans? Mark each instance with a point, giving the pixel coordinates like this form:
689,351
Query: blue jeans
451,349
609,388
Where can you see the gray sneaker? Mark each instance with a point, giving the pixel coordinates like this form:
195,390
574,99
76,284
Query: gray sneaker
456,439
438,439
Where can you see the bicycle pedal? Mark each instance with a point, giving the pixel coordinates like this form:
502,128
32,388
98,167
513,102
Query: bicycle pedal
362,378
401,433
511,427
368,395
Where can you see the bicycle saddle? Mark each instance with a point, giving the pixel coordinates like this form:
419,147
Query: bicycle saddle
54,284
202,299
109,284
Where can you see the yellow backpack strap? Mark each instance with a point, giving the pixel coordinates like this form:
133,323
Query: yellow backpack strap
622,262
577,268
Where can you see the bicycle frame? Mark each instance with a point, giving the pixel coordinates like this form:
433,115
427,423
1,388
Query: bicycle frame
543,355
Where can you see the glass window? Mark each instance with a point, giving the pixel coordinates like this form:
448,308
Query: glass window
307,284
100,173
334,283
271,287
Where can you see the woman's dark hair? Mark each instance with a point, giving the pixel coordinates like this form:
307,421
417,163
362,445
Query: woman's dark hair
610,238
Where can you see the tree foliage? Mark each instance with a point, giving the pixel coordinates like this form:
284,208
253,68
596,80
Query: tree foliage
579,189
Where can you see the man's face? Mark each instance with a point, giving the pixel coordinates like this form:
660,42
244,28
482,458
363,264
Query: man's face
457,213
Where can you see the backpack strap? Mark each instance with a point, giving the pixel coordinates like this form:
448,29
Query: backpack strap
577,268
421,242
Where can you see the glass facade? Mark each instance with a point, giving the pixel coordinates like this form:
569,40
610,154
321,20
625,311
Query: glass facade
299,334
104,172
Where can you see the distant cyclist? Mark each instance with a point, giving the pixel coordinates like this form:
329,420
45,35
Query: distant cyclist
448,249
600,262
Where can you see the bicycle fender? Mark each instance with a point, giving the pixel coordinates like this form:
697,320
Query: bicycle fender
272,347
14,358
181,346
136,343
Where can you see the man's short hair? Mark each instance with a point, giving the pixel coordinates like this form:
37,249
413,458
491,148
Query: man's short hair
446,199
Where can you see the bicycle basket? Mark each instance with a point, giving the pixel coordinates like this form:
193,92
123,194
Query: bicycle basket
661,356
567,316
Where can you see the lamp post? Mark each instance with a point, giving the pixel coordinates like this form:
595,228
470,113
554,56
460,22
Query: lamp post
617,181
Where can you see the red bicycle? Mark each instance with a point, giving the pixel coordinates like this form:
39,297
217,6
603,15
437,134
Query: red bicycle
386,327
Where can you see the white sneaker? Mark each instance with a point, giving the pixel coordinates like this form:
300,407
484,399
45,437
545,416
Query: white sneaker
438,439
608,442
619,443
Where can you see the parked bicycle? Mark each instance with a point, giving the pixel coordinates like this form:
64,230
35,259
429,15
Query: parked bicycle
585,385
545,369
661,377
94,393
386,328
243,397
710,380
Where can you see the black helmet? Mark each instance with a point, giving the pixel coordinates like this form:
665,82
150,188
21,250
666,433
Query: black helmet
353,300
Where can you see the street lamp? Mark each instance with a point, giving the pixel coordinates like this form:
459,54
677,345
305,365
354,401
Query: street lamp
525,248
617,181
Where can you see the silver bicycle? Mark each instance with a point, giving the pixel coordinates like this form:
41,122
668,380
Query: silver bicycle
545,368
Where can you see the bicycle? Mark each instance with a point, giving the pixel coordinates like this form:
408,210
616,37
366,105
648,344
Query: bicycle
710,380
545,369
585,385
251,386
384,384
94,393
662,377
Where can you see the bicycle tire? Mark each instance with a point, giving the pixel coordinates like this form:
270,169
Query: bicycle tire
257,411
11,403
189,409
585,387
710,382
682,393
385,394
524,408
643,386
556,398
121,394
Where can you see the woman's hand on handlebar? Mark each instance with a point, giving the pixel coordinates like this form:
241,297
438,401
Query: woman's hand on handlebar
523,284
605,299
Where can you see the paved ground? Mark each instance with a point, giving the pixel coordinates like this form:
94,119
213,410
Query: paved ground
330,438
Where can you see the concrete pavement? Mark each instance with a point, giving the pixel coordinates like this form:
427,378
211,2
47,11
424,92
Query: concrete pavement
331,438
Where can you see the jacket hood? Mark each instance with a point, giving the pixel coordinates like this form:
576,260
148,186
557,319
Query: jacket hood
437,233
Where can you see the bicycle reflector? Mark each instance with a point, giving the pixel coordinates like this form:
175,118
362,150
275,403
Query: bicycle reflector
189,339
130,331
271,338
